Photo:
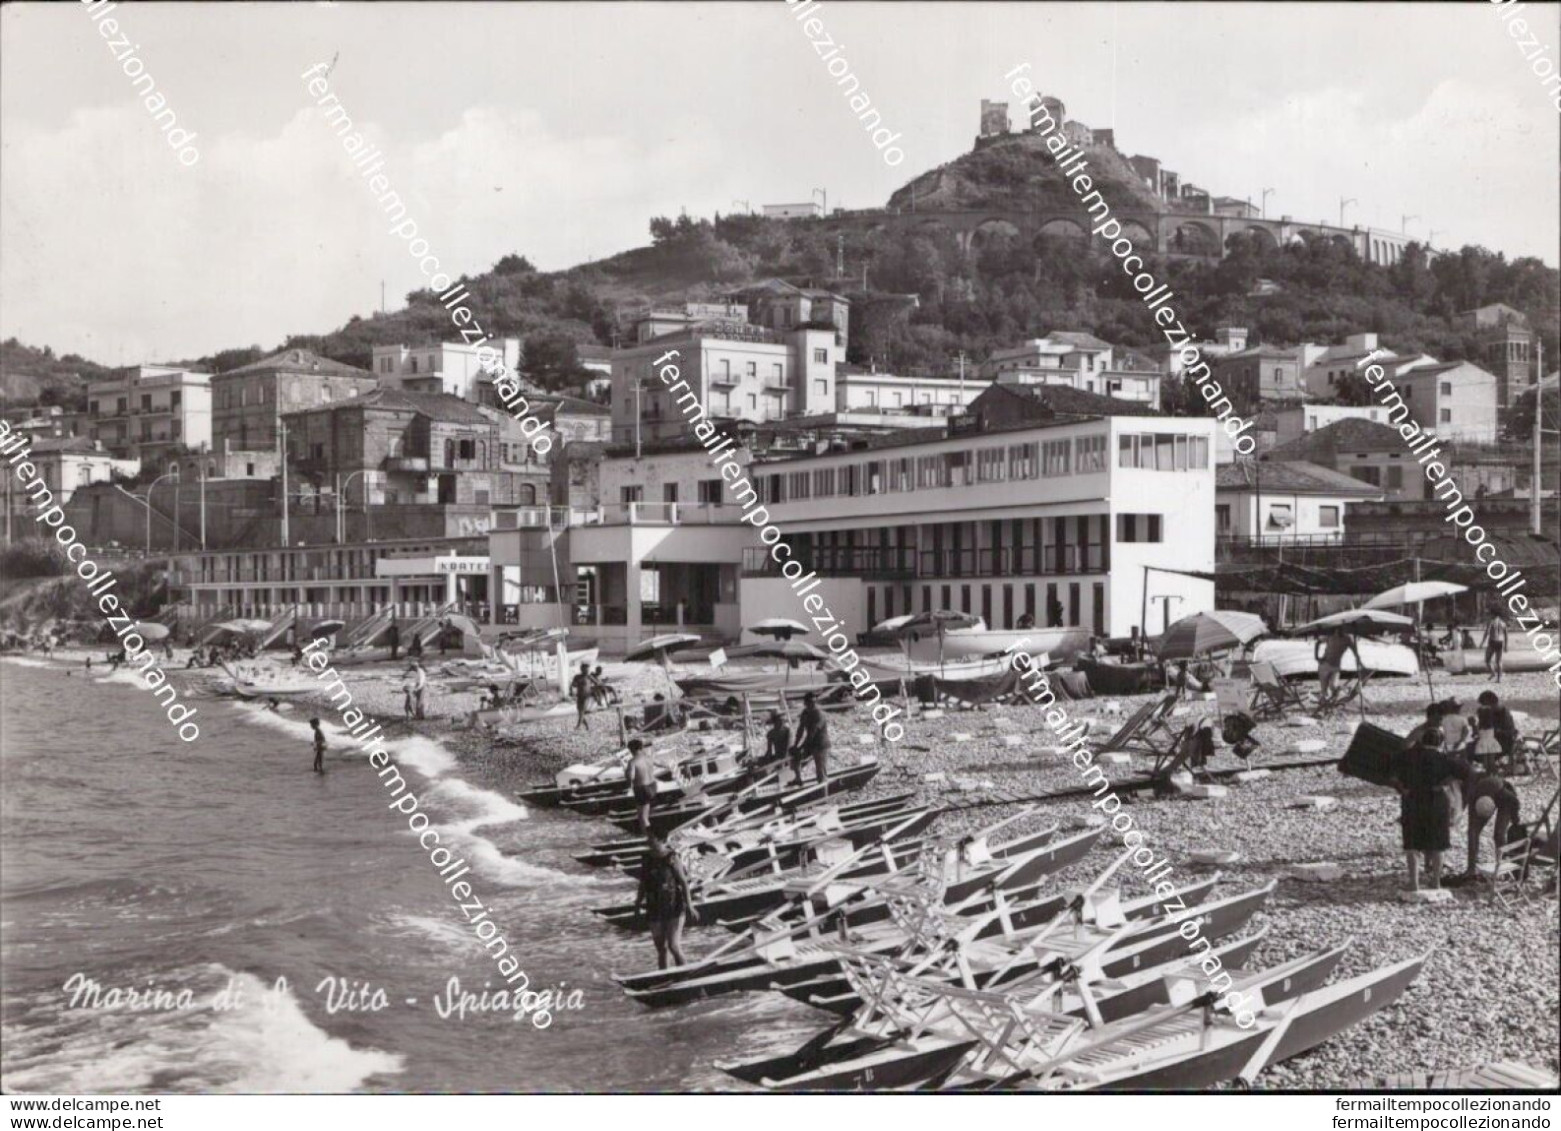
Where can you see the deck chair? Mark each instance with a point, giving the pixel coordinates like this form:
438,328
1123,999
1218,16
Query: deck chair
1536,753
1272,697
1190,751
1344,695
1511,869
1146,731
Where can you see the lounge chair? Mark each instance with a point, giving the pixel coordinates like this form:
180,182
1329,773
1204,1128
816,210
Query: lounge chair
1535,754
1146,731
1189,751
1272,697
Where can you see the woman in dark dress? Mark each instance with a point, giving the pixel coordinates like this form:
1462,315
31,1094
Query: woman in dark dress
666,901
1425,807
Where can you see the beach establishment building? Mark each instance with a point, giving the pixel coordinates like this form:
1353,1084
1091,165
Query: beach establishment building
419,577
1079,511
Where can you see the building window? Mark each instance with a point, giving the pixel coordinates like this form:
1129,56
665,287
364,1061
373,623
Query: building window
466,449
777,373
821,357
753,402
710,491
632,494
146,402
1447,388
752,368
174,399
1394,480
1446,416
1222,517
821,388
1328,517
669,492
1280,516
1139,528
414,365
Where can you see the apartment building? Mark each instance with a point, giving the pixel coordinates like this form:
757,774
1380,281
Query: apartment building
858,390
251,400
1506,347
151,410
783,306
1078,361
736,371
1455,399
1259,376
452,368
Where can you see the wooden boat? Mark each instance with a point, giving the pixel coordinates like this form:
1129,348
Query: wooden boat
665,818
910,1019
1011,954
1195,1046
605,780
733,831
765,958
1010,866
787,852
980,641
264,682
1293,658
744,897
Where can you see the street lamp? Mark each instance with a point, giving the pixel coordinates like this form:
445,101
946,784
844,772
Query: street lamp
174,474
1266,194
1344,204
341,487
1403,224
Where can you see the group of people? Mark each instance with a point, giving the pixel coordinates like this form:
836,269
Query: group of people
811,740
664,896
1452,763
590,688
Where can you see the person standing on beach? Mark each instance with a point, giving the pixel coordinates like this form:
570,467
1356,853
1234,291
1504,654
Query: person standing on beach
319,746
581,686
1425,808
419,685
666,900
407,684
394,636
1495,644
1330,653
813,736
642,780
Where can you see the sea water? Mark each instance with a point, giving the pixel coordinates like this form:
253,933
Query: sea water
215,917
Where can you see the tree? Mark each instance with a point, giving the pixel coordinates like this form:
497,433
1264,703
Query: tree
551,359
514,264
1353,389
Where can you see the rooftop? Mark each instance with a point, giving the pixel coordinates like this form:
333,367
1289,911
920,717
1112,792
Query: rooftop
1064,400
1290,476
297,361
1352,434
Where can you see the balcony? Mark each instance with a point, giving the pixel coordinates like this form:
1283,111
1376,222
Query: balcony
888,564
417,465
725,380
669,514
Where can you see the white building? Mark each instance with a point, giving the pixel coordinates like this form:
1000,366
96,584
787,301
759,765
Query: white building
886,392
1325,368
1296,421
1274,503
1075,515
732,371
444,367
1075,360
810,210
149,410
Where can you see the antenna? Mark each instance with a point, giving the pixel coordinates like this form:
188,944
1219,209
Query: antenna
382,296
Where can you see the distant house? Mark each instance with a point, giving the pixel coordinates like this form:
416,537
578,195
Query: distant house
442,367
1008,406
1270,502
248,402
1378,455
1262,375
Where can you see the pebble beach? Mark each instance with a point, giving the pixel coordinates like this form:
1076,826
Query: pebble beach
1489,990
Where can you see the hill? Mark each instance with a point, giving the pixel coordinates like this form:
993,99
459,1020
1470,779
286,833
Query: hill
35,376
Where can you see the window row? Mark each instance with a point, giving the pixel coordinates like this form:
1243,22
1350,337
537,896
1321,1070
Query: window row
1048,459
1163,451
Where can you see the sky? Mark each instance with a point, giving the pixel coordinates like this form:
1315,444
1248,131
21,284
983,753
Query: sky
557,130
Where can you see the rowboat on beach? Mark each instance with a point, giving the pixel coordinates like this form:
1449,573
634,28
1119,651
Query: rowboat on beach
1295,658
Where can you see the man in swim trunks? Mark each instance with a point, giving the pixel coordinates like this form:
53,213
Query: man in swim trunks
812,738
666,901
642,780
581,686
1330,658
1495,645
319,746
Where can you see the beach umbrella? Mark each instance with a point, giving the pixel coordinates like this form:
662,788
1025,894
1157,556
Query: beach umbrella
245,625
326,628
938,621
152,631
1209,632
1356,620
779,627
660,647
893,624
1414,593
790,650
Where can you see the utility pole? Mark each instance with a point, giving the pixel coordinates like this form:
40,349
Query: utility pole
1266,194
1539,432
840,255
1344,204
281,435
1403,223
203,504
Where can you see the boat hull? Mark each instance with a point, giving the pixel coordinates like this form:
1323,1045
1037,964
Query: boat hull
1295,658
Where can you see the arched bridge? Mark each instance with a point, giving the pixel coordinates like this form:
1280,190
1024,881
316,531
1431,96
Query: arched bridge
1195,235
